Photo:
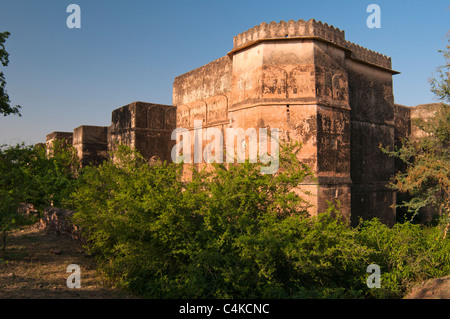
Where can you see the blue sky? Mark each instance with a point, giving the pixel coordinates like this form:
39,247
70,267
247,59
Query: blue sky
132,50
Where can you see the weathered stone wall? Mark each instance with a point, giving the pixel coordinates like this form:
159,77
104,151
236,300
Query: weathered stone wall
67,137
402,122
273,86
331,95
372,125
333,129
305,79
300,87
424,112
204,82
146,127
402,130
91,143
310,29
202,96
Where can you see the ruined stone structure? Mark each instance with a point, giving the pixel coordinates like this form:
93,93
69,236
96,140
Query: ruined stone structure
146,127
91,143
302,77
306,79
405,127
67,137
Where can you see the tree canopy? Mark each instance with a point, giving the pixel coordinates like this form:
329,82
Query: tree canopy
5,107
427,174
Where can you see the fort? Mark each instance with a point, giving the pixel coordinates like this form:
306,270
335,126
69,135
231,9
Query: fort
301,77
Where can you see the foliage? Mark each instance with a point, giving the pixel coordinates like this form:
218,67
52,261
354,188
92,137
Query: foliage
13,176
427,176
130,214
28,175
441,87
53,172
235,233
5,107
163,237
406,253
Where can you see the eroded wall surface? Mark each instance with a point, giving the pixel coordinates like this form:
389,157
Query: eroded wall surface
91,143
146,127
302,78
305,79
66,137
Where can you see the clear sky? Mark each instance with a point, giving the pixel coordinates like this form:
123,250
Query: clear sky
132,50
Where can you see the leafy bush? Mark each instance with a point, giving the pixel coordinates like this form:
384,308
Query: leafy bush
131,216
406,253
235,233
426,177
28,175
164,238
14,177
53,172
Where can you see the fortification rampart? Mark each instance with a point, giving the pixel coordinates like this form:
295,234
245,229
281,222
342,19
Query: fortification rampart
308,29
301,77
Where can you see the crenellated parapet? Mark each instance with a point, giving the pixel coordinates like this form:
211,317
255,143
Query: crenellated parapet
361,53
290,29
308,29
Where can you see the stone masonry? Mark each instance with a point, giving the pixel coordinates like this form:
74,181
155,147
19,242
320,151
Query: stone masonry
302,77
66,137
331,95
146,127
91,143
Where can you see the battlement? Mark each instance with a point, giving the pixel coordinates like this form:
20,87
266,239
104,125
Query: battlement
361,53
290,29
308,29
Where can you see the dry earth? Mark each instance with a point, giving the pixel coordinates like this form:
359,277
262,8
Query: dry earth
438,288
36,264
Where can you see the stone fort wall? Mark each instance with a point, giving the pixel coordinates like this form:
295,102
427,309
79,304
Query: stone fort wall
302,77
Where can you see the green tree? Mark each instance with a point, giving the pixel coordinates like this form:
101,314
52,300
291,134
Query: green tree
131,216
53,172
31,175
407,254
162,237
441,85
5,107
427,174
232,232
14,177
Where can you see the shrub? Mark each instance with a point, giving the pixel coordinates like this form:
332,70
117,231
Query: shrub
236,233
406,253
28,175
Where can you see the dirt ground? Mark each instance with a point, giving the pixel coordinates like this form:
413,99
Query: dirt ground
35,268
438,288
